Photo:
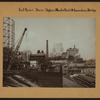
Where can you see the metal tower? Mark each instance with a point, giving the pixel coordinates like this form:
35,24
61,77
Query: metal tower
8,33
8,40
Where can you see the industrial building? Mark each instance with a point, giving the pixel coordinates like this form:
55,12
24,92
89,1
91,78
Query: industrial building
71,52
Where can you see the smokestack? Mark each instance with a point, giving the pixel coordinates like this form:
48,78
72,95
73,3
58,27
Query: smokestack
47,55
74,46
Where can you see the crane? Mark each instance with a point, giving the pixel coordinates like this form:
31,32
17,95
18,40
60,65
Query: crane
16,51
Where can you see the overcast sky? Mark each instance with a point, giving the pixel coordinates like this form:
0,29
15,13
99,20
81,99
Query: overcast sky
68,31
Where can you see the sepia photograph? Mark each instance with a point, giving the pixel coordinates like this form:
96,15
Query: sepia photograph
49,52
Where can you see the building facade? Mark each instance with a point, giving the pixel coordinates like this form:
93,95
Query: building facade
71,51
57,50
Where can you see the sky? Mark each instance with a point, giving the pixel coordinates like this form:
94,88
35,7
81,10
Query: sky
80,32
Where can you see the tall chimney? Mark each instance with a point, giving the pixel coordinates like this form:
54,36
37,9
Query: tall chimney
47,55
74,46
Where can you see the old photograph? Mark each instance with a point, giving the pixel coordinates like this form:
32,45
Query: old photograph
49,52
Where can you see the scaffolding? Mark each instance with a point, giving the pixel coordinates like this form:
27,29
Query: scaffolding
8,33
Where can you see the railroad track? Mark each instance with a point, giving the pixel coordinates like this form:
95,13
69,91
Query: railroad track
83,80
92,80
92,76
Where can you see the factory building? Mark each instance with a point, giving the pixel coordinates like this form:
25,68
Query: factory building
36,59
71,51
